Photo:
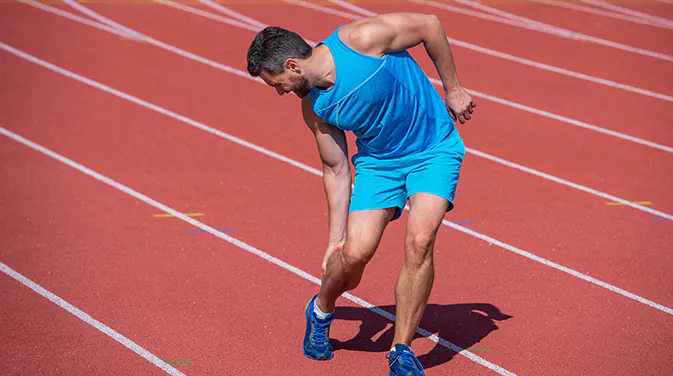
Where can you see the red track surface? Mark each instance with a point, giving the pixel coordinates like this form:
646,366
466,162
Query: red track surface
191,296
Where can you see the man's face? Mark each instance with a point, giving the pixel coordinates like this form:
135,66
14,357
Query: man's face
289,81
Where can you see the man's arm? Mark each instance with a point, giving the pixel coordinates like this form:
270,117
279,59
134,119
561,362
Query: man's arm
333,151
393,32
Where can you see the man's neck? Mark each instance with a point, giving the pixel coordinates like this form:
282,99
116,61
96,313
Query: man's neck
321,68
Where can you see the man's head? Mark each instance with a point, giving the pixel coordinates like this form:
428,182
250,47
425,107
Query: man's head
276,56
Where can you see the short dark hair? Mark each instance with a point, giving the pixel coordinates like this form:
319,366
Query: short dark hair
272,47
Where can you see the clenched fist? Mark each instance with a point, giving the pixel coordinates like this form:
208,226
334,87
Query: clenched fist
460,104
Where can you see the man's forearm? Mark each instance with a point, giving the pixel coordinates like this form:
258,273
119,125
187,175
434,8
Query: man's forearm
338,192
438,48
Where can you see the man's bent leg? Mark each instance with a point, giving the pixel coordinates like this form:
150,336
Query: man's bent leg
416,276
344,272
345,267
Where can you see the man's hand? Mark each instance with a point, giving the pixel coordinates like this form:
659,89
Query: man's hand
460,104
332,247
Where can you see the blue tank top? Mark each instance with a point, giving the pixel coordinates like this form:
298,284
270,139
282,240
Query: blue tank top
387,102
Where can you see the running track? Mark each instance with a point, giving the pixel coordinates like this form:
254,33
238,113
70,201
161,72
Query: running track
182,295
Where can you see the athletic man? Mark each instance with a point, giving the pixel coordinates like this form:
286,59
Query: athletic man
362,79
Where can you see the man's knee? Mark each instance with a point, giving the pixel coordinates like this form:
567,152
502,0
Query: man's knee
419,247
364,234
356,254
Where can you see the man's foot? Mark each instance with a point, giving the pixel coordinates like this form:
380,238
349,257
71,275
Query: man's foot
316,343
403,362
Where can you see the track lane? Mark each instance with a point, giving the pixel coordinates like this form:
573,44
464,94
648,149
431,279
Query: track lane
286,241
587,58
621,31
188,290
530,85
594,158
656,8
562,148
41,338
187,294
555,206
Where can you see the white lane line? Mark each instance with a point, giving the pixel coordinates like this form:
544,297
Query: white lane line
529,24
562,71
243,25
560,267
84,316
567,183
320,8
76,18
306,168
231,13
630,12
604,13
127,32
353,8
143,38
274,260
544,27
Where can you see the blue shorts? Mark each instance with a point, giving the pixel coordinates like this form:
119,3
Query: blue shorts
388,183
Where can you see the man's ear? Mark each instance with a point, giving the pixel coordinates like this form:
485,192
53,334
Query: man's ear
292,65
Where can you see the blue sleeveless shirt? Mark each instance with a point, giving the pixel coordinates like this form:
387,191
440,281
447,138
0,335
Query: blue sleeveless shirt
387,102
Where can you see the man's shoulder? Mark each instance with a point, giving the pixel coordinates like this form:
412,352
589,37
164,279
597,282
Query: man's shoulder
366,35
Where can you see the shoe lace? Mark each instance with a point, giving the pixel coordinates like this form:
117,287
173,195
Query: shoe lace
405,358
321,333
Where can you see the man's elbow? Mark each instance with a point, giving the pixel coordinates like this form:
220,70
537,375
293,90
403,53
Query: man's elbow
423,26
431,22
433,19
341,169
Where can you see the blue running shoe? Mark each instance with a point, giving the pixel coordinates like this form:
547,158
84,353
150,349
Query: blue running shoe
316,343
403,362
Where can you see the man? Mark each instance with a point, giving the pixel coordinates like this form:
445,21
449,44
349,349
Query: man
362,79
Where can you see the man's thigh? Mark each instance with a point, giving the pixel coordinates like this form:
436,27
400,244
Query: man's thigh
437,171
378,185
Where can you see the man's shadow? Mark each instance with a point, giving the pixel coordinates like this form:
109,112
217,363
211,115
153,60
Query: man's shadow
463,325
